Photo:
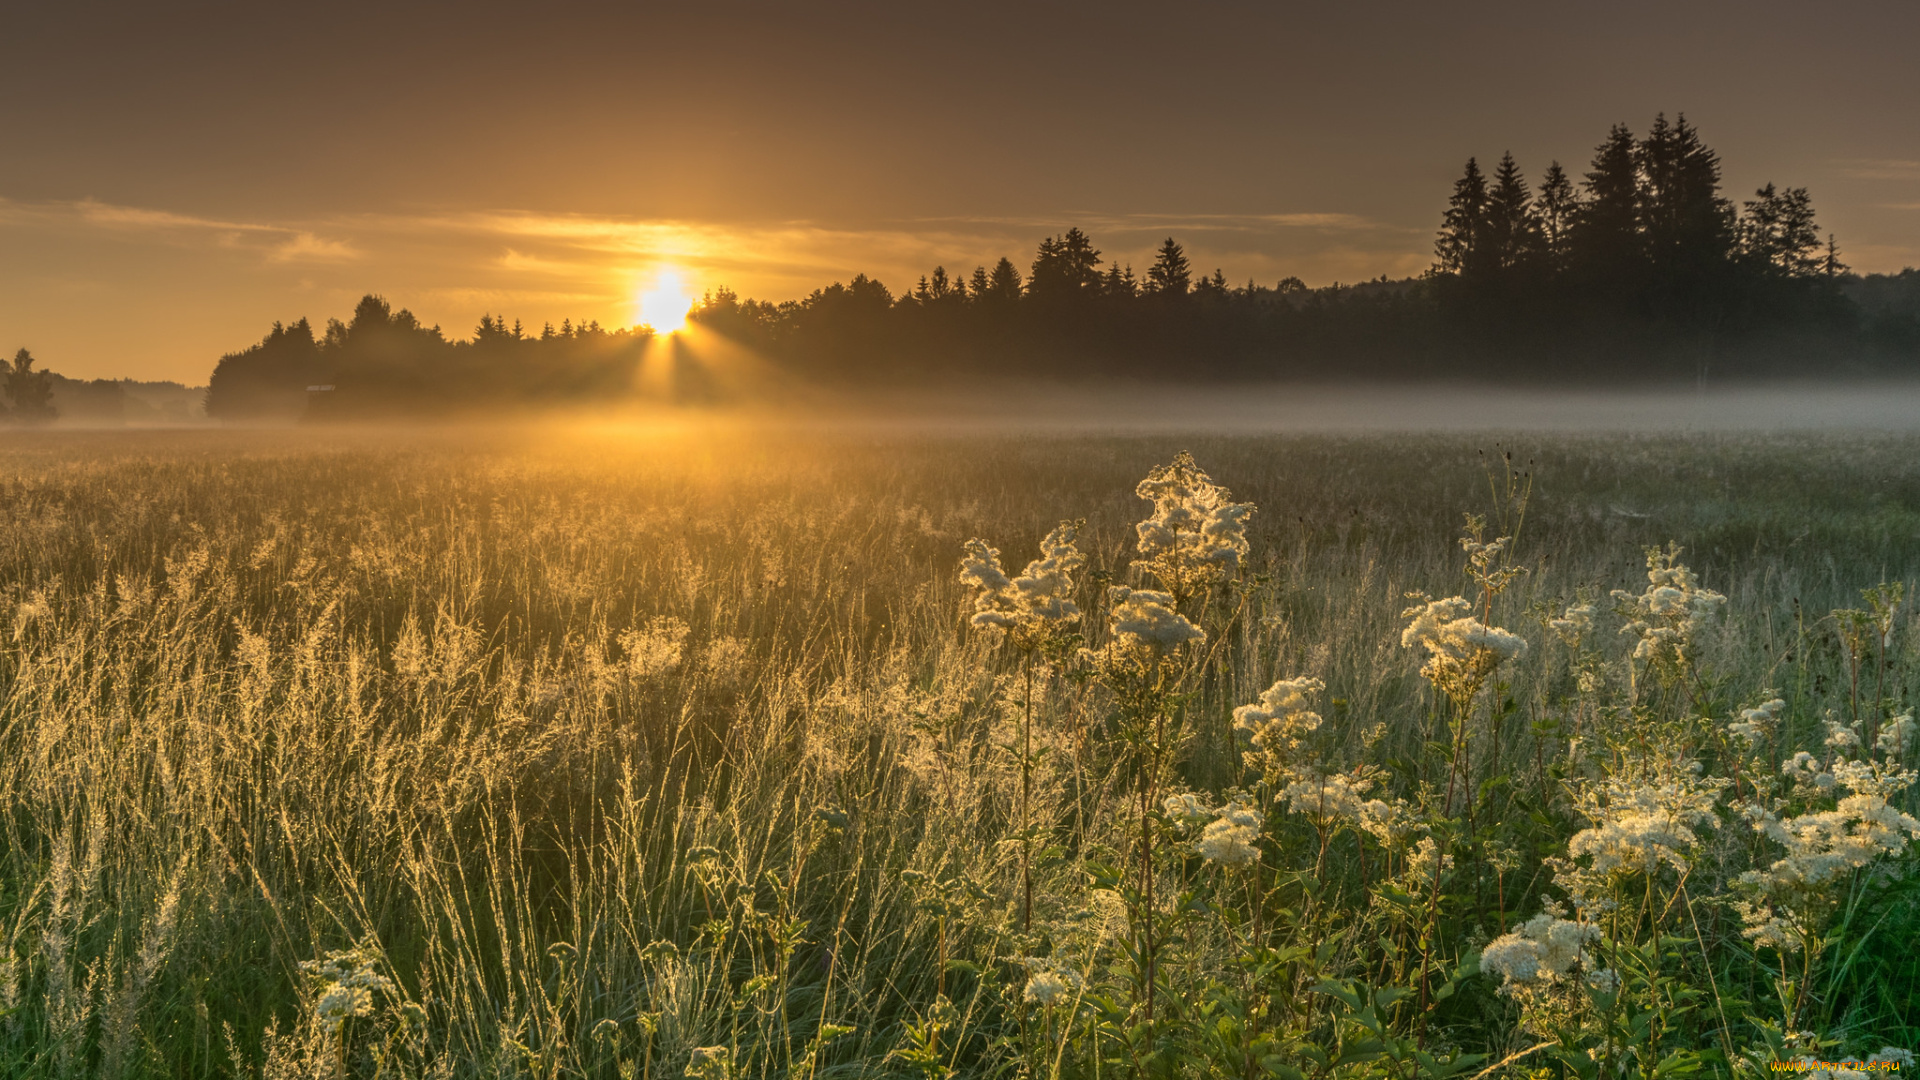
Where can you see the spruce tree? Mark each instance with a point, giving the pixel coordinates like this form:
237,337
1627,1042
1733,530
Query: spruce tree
1461,232
1778,233
1687,228
1604,242
1170,274
1003,283
1554,209
1066,266
1512,233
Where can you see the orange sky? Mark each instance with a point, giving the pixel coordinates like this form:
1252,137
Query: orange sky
175,180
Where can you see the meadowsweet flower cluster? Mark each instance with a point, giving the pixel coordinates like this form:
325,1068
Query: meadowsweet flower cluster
1428,863
1328,799
1145,622
1048,980
1038,603
1461,650
1821,845
1668,615
1488,561
1789,897
1637,826
1544,949
1275,725
343,984
1842,737
1197,534
1232,836
1754,726
1574,624
1391,822
1186,808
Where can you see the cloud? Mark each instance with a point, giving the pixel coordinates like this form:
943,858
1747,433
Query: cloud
1131,223
306,247
275,243
1879,169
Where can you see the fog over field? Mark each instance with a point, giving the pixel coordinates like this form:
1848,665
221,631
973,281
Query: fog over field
1388,408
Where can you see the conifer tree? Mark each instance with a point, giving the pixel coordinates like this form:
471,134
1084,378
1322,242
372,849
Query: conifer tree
1687,228
1554,208
1003,283
1777,232
31,391
1461,232
1605,238
1512,237
1170,274
1066,266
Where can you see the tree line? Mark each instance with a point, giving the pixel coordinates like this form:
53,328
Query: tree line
1640,267
384,362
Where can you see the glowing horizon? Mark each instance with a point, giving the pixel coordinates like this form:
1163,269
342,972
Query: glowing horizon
773,152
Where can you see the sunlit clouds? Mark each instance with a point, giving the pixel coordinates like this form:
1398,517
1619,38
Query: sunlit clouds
222,279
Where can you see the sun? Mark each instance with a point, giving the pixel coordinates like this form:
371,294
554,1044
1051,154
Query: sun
664,306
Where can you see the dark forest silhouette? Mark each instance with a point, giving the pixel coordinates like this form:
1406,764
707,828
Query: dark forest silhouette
1642,268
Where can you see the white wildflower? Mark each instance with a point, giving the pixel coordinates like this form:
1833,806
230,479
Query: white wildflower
1231,837
344,984
1804,768
1048,980
1573,626
1669,613
1391,823
1842,737
1034,606
1767,929
1187,808
1756,724
1327,799
1541,950
1821,845
1427,863
980,568
1889,1055
1045,587
1638,826
1196,535
1275,725
1461,650
1605,980
1144,620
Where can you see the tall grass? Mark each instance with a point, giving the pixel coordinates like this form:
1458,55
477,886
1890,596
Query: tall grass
651,755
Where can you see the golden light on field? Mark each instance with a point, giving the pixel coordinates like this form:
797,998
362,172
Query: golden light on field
665,304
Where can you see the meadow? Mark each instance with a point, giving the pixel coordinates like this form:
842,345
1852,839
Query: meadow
690,752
